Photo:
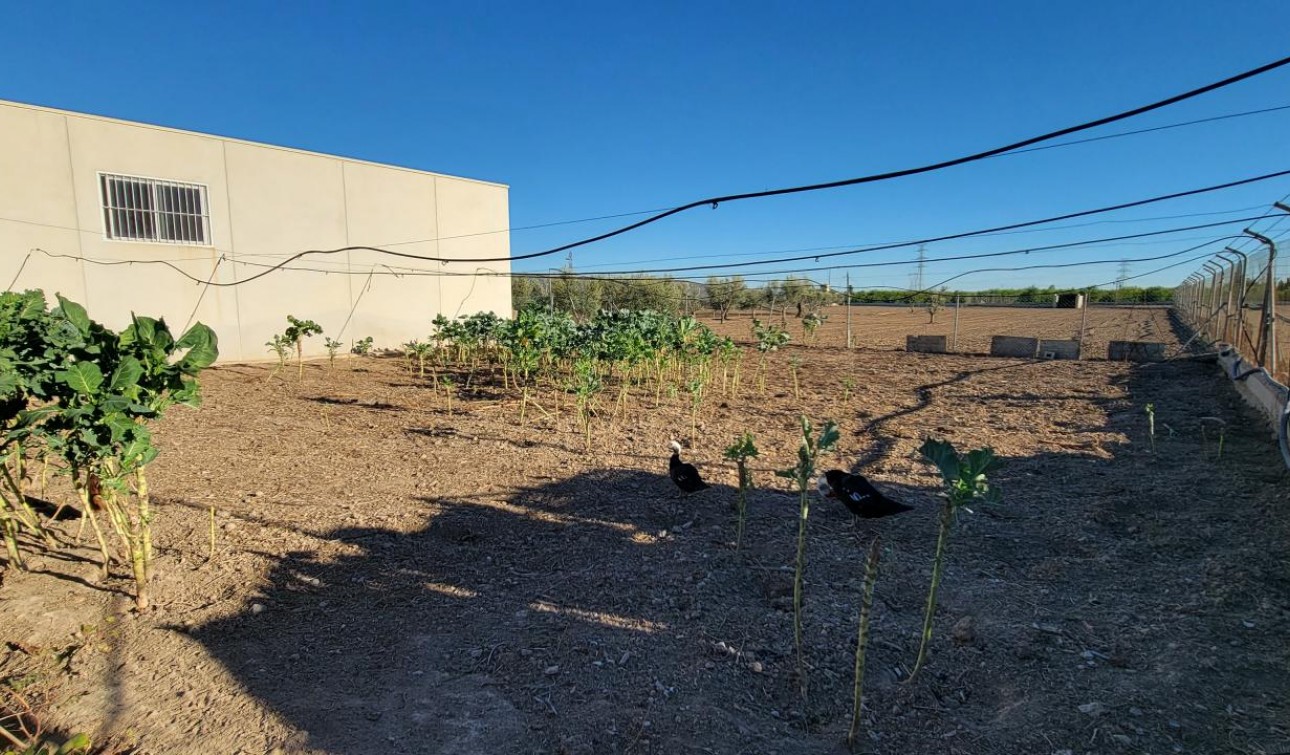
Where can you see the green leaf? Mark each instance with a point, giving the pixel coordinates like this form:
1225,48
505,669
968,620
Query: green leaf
126,375
203,348
942,454
829,436
75,314
982,461
76,745
83,377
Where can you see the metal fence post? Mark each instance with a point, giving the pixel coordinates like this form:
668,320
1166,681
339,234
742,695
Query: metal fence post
1268,333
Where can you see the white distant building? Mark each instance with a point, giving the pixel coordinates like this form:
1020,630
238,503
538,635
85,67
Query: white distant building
85,190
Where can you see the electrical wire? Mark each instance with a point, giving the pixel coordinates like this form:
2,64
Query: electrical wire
872,178
969,234
268,269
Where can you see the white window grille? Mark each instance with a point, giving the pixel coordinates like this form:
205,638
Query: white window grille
148,209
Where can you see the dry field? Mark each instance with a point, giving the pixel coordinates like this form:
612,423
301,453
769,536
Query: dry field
392,575
885,327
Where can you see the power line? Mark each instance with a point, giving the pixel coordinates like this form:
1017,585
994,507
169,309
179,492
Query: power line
967,234
714,201
872,178
268,269
769,253
483,272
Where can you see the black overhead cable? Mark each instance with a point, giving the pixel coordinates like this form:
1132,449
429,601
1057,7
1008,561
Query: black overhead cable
714,201
967,234
1084,213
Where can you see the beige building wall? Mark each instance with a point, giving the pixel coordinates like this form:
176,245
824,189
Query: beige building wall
265,203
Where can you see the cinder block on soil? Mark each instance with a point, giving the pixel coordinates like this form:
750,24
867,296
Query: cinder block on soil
926,344
1058,349
1013,346
1135,351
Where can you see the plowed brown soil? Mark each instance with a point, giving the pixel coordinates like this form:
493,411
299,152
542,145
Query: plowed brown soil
396,574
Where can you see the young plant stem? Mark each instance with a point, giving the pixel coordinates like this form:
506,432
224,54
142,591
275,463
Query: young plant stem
87,512
741,502
938,564
210,555
804,512
145,518
862,638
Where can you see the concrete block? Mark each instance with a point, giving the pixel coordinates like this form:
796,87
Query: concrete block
925,344
1135,351
1058,349
1013,346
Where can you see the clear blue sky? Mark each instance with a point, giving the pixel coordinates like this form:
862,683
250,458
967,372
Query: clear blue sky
589,109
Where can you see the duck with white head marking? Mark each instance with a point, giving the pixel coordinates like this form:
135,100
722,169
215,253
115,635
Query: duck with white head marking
684,475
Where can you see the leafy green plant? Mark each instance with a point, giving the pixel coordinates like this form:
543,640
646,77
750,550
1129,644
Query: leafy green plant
280,345
807,452
111,386
848,386
966,479
297,331
449,390
332,347
362,347
30,352
811,324
586,386
862,635
740,452
769,338
419,351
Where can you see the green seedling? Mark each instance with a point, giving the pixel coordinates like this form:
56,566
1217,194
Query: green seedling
740,452
807,453
449,389
810,324
297,331
332,348
280,345
966,479
362,347
848,386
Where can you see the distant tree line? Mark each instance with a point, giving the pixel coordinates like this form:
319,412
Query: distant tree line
585,296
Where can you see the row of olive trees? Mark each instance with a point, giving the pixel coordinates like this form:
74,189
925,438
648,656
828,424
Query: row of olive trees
584,296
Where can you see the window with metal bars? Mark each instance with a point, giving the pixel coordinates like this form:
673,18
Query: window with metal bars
148,209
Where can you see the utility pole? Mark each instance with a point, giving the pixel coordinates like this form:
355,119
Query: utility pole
916,278
1121,276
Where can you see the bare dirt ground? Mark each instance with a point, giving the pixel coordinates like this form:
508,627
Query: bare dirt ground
885,327
393,576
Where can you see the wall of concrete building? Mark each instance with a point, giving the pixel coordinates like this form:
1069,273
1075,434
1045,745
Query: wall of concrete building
265,202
